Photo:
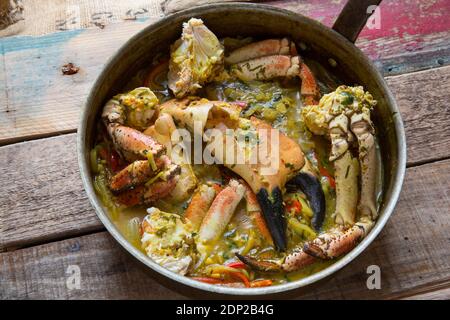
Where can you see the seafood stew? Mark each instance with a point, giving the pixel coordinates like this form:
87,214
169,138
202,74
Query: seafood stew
249,221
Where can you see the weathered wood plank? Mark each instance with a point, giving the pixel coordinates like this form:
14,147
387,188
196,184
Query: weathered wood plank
398,28
412,252
422,98
42,195
437,294
106,271
37,100
47,190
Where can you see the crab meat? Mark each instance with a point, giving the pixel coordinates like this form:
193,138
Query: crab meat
135,108
168,240
195,59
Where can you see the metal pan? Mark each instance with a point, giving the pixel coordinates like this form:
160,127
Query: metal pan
262,21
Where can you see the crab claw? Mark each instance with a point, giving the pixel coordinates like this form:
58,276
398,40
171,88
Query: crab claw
296,260
335,243
259,265
273,210
277,156
311,187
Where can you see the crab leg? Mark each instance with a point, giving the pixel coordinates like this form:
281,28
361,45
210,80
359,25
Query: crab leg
156,190
272,58
134,174
259,265
199,205
254,211
346,172
220,213
263,48
362,127
266,68
335,243
346,176
309,89
296,260
133,143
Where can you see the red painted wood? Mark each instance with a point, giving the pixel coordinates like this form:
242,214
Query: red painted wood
397,17
400,18
408,26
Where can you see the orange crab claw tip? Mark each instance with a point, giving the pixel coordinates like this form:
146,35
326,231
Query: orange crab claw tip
273,212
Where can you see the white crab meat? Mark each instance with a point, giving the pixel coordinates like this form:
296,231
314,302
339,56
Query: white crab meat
195,59
168,240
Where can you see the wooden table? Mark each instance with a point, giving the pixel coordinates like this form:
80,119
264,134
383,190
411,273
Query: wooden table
47,223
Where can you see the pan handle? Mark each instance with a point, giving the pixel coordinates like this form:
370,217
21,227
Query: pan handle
353,17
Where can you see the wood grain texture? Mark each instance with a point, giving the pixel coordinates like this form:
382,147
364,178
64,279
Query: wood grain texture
47,188
400,32
171,6
412,252
423,101
36,100
42,195
42,198
437,294
107,272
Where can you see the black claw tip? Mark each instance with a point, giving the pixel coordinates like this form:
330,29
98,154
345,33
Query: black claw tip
311,187
262,266
273,212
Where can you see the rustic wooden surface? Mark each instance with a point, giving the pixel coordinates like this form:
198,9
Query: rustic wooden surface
47,223
412,252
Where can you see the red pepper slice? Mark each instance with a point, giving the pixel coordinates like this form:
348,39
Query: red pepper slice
103,153
114,161
241,277
261,283
208,280
324,172
294,205
236,265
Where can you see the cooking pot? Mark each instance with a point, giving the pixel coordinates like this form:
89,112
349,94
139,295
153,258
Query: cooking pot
333,48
